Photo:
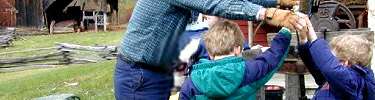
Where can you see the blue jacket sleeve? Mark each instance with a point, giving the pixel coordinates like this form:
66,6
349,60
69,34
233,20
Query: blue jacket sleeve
304,53
185,93
260,70
230,9
188,90
265,3
342,81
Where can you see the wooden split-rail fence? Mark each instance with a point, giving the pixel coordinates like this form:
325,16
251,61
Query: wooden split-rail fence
6,37
61,54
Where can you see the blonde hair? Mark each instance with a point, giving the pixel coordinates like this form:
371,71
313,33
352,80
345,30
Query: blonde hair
353,48
222,38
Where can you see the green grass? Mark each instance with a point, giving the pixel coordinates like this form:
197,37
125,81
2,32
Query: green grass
42,41
95,81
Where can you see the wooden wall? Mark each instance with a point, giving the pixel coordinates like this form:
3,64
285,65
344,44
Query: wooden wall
7,13
260,37
30,13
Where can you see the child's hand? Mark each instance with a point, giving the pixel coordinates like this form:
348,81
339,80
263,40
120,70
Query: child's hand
311,35
302,32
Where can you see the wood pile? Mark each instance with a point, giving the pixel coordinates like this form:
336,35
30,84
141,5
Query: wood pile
6,38
62,54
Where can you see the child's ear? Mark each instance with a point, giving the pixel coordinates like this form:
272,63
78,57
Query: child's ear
237,50
211,57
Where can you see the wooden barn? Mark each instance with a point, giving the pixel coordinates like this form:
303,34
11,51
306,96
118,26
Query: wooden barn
260,37
31,13
21,13
7,13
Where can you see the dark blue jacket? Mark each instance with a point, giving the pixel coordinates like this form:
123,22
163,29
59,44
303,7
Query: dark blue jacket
190,35
336,82
234,77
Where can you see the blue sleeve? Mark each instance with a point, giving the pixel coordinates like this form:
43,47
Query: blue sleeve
230,9
342,81
265,3
260,70
187,90
184,93
304,53
203,53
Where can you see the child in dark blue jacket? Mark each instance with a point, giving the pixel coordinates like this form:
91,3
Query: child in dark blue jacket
227,76
342,70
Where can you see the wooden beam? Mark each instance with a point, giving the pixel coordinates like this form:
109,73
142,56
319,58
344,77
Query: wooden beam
87,48
251,33
371,24
329,35
292,86
29,59
21,51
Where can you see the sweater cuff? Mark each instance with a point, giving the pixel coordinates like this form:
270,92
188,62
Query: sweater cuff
286,32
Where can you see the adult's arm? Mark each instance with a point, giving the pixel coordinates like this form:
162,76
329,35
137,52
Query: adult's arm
265,3
230,9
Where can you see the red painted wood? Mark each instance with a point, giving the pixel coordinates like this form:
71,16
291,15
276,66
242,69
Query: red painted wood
240,22
7,13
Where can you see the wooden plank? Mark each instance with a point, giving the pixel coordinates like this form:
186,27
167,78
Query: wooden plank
86,48
251,33
35,61
329,35
294,67
35,66
371,25
292,87
75,50
30,13
21,51
244,29
240,22
88,58
29,59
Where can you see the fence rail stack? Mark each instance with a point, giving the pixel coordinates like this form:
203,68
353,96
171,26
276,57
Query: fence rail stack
6,37
61,54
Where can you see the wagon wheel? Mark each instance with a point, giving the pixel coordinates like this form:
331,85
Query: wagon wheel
332,16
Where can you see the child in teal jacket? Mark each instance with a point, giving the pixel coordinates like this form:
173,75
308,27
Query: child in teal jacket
228,76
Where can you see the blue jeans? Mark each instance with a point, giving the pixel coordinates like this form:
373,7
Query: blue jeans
131,82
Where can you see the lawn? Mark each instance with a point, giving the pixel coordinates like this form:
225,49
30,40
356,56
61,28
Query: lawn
88,81
43,41
95,82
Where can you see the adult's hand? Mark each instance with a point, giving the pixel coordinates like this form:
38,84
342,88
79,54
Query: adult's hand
288,3
283,18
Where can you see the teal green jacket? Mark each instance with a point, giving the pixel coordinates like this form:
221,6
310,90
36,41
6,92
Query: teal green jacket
233,77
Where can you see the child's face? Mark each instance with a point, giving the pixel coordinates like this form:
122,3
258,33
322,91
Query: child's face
343,62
